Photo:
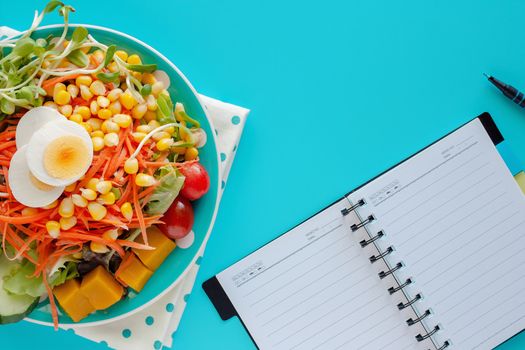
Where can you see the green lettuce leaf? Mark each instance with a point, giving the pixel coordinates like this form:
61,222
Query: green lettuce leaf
171,182
21,281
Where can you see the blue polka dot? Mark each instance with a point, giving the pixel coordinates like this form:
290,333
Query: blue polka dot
186,297
126,333
199,260
223,184
149,320
170,307
157,345
236,120
223,157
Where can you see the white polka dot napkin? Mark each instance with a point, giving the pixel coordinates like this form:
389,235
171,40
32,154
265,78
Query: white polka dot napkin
153,327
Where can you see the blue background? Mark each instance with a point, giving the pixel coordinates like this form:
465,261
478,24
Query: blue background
339,91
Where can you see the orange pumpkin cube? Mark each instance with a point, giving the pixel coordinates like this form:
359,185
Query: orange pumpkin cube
101,289
162,244
133,273
74,303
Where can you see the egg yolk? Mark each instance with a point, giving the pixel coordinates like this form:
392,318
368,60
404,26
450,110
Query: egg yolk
66,157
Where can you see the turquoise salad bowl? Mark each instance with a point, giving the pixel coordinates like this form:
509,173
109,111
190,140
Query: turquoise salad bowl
175,267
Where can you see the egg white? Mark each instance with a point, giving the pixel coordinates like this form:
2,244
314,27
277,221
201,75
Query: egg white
32,121
23,188
41,139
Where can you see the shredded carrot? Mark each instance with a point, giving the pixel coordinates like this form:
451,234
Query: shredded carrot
54,311
138,212
49,83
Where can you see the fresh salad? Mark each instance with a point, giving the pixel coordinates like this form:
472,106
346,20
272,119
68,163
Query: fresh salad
98,168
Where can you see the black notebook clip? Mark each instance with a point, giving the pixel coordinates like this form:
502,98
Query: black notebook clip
421,337
413,321
347,211
380,256
383,274
363,223
366,242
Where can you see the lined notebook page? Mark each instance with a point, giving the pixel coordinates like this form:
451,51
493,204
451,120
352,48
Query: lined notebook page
456,218
314,288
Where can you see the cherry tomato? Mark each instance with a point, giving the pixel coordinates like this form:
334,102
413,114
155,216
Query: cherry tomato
197,181
178,220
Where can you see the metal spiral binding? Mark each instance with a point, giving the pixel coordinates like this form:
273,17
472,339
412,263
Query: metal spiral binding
420,337
366,242
383,274
411,321
402,306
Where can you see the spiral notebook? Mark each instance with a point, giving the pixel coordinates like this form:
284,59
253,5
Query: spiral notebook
428,255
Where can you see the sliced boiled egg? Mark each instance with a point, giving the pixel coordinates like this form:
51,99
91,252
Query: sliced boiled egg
59,153
26,188
32,121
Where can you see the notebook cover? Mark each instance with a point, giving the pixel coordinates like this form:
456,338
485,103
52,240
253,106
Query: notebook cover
218,296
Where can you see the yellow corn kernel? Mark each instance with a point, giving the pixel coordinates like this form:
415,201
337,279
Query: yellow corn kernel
109,126
84,112
159,135
122,120
144,128
85,93
131,166
144,180
87,127
92,184
137,75
97,133
104,113
138,136
127,210
73,90
85,80
98,248
127,100
97,88
51,205
62,98
114,94
79,201
104,187
134,59
95,123
103,101
151,103
170,130
66,208
113,67
115,107
94,108
27,211
98,143
58,87
71,187
110,235
107,199
139,110
150,115
157,88
51,104
191,154
66,110
97,210
53,228
88,194
67,223
153,124
123,55
111,139
98,55
164,144
77,118
148,78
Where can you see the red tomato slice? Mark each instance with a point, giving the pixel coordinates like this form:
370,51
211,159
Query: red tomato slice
178,219
197,181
